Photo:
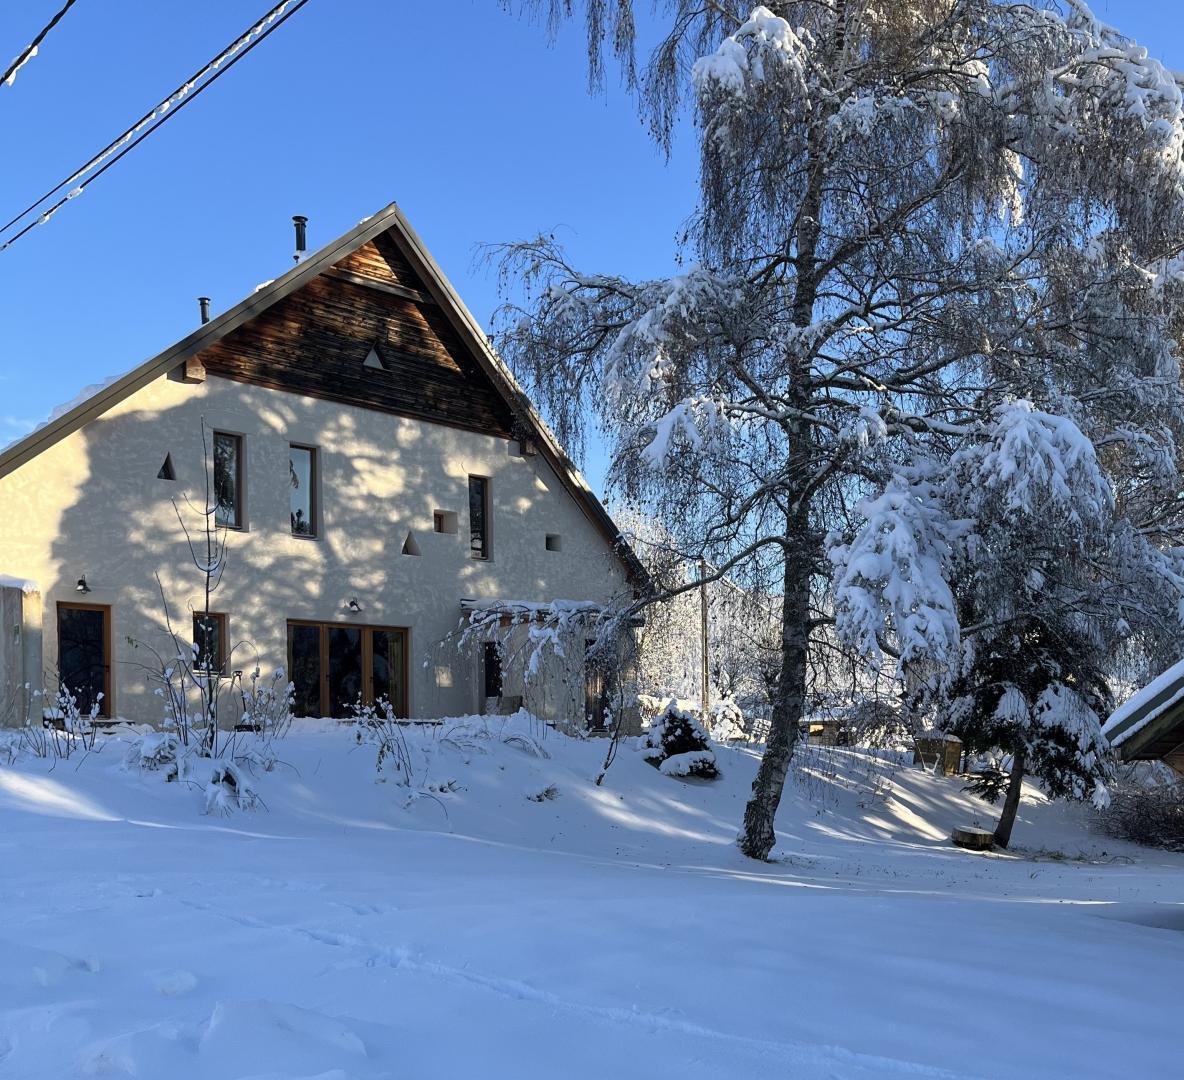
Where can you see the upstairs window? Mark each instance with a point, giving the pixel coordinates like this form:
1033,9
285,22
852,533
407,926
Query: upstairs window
302,474
209,643
228,480
479,517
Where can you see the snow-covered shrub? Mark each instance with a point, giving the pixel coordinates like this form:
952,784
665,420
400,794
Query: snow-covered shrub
267,704
154,752
677,744
725,721
62,727
1147,806
377,725
228,788
225,782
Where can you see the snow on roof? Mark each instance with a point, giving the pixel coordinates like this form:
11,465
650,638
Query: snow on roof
24,584
531,607
1141,708
84,395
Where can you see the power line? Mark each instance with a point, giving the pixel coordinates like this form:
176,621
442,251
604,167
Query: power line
30,50
154,119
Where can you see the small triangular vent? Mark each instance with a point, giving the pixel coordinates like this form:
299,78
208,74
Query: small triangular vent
373,360
166,470
410,547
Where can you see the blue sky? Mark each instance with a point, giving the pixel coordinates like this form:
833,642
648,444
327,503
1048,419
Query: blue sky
458,111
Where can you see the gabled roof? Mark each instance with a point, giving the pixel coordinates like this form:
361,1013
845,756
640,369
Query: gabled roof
390,219
1150,723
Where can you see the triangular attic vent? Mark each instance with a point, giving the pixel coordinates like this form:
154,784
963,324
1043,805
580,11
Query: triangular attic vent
410,547
166,470
373,360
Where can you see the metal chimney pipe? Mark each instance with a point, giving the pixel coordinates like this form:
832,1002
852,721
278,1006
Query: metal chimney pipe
301,223
204,303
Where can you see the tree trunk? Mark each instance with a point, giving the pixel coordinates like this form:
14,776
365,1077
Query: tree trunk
1012,803
757,838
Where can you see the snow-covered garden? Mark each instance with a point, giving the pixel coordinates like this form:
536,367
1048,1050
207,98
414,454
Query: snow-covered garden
513,918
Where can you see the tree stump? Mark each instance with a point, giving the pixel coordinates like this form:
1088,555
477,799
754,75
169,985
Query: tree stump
975,839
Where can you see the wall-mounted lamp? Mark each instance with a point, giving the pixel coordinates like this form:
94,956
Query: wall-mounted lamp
82,586
354,606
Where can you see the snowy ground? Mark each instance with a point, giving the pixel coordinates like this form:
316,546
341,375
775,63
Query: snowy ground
603,932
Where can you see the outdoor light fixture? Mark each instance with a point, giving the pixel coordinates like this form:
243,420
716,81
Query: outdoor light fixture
353,605
82,586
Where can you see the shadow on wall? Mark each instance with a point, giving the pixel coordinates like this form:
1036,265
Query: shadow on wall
381,481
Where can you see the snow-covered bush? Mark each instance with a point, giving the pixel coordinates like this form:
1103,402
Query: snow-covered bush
678,745
725,721
225,782
229,788
267,704
377,725
157,751
1146,806
61,728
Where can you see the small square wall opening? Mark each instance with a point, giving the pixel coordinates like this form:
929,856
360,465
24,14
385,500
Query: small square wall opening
444,521
554,542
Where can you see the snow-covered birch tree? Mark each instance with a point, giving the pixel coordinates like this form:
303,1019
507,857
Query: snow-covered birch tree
912,215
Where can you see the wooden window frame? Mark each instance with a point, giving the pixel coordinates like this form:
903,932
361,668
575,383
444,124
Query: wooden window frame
107,705
240,479
223,639
368,629
486,552
314,495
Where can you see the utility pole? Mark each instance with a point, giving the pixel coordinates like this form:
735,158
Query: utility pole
703,635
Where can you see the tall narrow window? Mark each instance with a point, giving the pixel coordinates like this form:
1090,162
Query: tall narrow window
479,517
491,669
228,480
305,668
302,474
84,655
209,642
595,698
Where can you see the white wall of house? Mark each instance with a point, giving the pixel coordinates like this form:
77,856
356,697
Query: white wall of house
92,505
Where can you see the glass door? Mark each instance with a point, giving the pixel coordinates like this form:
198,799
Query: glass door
388,668
84,655
333,666
345,670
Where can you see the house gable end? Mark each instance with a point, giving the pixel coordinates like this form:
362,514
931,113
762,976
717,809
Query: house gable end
320,340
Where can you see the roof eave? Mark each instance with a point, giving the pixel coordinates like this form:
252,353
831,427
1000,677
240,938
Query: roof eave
60,427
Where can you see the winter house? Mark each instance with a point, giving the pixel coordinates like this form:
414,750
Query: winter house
1149,726
378,474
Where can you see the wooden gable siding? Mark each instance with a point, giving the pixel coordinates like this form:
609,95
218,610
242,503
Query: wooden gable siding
316,340
382,259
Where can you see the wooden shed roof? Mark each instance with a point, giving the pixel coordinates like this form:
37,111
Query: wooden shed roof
1150,724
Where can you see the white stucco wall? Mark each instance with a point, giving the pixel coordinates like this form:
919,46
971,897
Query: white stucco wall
92,505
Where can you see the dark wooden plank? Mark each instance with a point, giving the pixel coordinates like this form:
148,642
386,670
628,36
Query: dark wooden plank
315,341
381,286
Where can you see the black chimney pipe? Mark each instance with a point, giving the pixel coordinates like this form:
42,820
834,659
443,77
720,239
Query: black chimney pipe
301,223
204,303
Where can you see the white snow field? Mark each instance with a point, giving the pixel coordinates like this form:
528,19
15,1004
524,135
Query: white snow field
338,934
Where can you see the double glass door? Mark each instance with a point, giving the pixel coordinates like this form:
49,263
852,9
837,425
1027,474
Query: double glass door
334,666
